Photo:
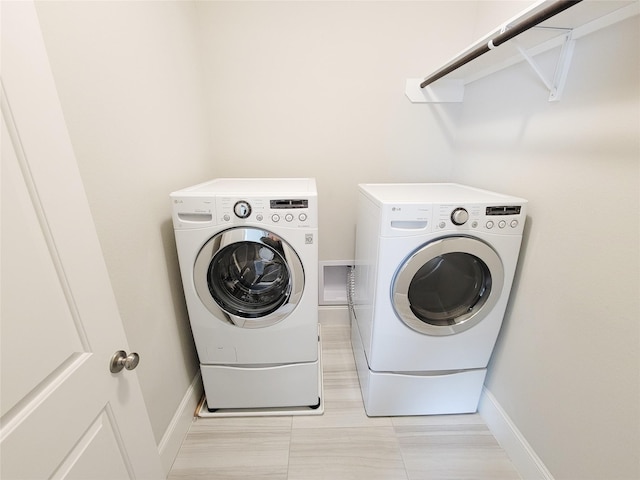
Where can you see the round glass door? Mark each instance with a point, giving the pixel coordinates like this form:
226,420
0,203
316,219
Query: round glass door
248,277
447,286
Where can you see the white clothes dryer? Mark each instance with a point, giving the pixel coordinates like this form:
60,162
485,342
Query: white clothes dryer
433,273
248,254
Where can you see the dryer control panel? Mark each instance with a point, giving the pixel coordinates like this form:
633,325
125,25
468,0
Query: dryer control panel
416,219
502,219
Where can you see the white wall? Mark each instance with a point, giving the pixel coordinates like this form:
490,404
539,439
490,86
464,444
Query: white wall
317,89
566,368
130,85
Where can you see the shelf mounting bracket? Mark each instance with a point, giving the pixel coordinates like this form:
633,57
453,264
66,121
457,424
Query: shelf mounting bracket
555,85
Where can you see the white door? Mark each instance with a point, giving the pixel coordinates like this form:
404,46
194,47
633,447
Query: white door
64,414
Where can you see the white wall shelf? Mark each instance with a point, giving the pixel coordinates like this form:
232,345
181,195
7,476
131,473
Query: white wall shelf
560,30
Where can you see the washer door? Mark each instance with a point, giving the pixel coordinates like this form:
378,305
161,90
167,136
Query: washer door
447,286
248,277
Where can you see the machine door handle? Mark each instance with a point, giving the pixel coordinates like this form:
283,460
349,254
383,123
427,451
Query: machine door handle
121,360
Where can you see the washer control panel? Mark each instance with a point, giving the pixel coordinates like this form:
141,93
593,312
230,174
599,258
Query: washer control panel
291,212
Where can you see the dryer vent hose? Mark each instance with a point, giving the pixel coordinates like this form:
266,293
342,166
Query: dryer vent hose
351,290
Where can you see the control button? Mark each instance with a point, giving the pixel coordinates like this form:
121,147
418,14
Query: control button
288,217
259,217
514,223
275,217
226,217
242,209
489,224
474,224
502,224
442,224
459,216
302,217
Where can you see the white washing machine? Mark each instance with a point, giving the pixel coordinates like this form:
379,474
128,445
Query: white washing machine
434,268
248,253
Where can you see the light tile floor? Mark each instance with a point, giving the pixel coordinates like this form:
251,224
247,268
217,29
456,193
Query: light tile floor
343,443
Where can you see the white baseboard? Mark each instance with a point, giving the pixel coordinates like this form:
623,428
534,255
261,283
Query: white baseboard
180,423
521,454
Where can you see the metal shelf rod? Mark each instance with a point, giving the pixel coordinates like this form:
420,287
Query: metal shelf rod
504,36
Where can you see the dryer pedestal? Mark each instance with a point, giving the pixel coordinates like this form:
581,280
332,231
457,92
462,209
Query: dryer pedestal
415,393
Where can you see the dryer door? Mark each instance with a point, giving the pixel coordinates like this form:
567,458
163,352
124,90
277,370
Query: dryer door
248,277
447,286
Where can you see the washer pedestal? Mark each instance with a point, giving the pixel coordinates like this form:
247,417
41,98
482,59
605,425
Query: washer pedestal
261,387
415,393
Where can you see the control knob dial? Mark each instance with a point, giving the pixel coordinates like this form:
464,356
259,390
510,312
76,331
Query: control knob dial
242,209
459,216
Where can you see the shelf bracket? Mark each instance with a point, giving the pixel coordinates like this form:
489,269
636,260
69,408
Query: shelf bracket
555,85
